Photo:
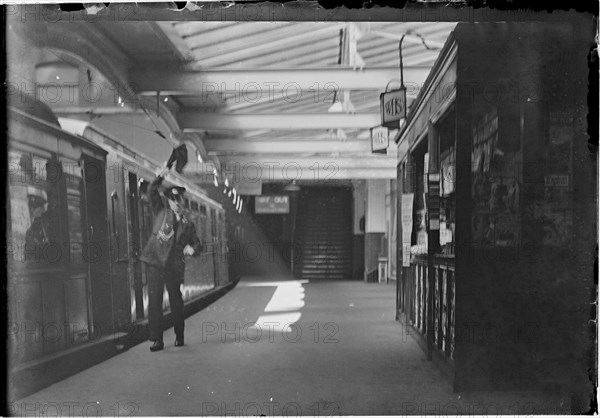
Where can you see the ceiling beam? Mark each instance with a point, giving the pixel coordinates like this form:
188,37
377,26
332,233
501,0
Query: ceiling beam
243,163
264,43
167,31
340,174
281,146
192,121
316,168
100,110
278,168
270,82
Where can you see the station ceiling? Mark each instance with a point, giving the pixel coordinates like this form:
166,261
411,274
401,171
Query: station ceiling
300,92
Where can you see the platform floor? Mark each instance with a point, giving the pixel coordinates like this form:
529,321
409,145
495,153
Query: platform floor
351,358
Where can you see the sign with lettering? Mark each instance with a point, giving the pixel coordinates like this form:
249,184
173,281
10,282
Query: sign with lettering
393,108
272,204
556,180
380,139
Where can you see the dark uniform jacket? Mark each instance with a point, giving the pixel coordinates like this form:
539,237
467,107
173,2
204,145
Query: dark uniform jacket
165,246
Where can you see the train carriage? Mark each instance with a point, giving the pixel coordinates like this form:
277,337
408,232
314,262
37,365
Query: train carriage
78,217
58,278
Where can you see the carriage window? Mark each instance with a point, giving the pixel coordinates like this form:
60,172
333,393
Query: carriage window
34,207
146,226
195,206
204,225
186,203
75,208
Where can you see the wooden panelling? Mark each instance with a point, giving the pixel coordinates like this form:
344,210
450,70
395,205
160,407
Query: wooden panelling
30,319
54,333
77,311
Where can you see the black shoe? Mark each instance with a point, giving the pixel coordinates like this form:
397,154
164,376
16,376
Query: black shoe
179,342
157,346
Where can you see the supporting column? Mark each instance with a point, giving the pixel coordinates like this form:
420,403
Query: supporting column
401,276
374,226
358,240
433,228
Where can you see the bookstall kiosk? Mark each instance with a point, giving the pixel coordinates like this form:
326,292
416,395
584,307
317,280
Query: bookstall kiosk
496,202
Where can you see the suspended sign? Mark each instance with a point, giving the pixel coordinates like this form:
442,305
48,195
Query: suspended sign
393,107
246,187
272,204
380,139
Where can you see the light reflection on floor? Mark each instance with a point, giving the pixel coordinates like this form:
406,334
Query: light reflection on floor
284,306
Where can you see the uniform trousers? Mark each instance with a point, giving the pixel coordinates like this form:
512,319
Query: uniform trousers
157,278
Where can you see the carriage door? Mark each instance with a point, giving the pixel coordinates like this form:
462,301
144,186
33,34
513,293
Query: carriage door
215,243
135,245
96,249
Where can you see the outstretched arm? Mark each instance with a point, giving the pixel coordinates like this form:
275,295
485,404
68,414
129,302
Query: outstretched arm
156,201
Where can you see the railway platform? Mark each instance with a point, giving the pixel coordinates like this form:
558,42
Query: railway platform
278,346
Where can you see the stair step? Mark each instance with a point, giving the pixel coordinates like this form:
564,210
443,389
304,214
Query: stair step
324,266
331,260
325,248
316,270
326,232
325,273
324,245
324,277
320,264
325,254
316,256
325,238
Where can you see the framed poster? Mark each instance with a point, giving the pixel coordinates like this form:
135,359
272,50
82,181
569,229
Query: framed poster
407,225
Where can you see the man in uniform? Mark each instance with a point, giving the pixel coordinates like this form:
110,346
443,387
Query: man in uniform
173,237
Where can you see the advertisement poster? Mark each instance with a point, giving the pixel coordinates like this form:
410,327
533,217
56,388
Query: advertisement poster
405,255
407,216
496,187
407,226
555,212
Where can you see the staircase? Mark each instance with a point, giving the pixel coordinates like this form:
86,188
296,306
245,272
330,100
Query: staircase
325,233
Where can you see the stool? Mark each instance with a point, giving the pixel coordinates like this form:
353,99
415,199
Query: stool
383,269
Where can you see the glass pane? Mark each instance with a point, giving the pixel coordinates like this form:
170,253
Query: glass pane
74,211
34,215
206,233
